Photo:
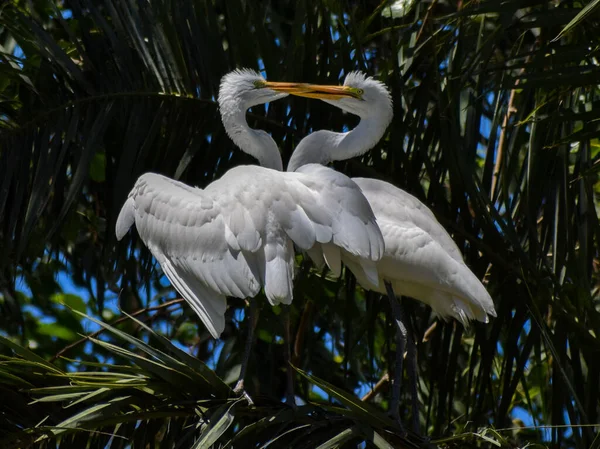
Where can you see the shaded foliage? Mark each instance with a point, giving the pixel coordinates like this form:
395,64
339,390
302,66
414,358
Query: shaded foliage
495,128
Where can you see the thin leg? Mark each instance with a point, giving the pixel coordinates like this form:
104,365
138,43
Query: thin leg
290,397
253,319
412,375
400,345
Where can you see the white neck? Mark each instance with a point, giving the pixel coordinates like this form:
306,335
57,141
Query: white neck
322,147
254,142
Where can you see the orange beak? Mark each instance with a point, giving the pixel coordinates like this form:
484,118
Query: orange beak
321,92
288,88
324,92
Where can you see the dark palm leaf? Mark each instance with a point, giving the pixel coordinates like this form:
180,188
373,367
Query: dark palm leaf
495,128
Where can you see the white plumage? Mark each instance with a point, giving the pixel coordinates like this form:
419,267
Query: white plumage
236,236
421,260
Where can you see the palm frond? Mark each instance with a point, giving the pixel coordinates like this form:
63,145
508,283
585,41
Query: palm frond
496,108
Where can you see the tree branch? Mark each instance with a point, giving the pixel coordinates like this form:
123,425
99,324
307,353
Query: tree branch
380,385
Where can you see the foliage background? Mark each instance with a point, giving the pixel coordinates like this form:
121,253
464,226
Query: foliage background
496,122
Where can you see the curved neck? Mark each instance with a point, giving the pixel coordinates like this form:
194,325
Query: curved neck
322,147
256,143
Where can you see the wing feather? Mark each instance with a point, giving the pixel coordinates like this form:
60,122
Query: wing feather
279,272
185,230
413,256
353,224
300,229
316,255
240,223
125,219
332,256
396,205
209,305
237,235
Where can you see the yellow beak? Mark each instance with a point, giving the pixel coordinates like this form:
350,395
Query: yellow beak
288,88
321,92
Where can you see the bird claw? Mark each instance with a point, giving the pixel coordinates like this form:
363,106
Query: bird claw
247,398
240,391
239,387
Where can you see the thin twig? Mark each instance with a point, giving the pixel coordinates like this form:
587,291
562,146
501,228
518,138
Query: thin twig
117,321
429,331
510,110
304,322
425,20
377,388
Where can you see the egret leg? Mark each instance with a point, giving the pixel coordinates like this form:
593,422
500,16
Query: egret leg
401,334
253,320
290,397
404,339
412,376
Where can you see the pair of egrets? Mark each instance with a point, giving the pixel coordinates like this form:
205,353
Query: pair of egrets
237,236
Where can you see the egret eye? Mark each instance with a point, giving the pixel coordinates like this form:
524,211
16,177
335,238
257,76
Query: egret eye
357,92
259,84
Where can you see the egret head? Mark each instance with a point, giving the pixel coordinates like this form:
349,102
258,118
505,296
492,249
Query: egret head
240,90
360,95
246,88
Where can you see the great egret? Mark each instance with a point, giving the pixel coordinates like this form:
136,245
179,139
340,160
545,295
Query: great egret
236,236
420,260
309,160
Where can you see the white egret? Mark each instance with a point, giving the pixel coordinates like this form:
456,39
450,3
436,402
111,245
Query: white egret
420,260
236,236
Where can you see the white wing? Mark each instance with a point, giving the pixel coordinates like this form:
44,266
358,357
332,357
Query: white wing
418,262
399,206
421,260
186,232
314,205
354,227
237,234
